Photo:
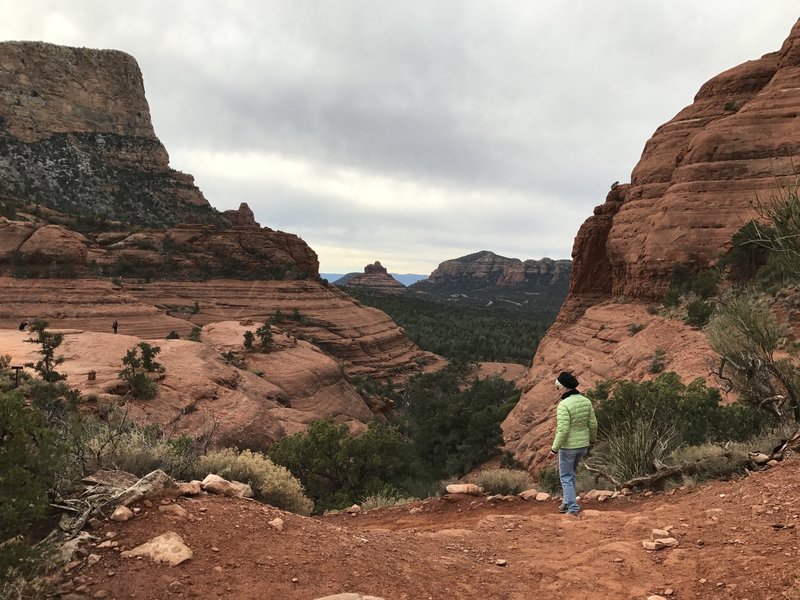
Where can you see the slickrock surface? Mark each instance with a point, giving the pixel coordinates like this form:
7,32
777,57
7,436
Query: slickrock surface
365,340
375,277
693,188
600,345
67,111
199,391
737,539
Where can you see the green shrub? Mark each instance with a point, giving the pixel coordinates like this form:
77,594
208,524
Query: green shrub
233,359
383,500
713,461
634,448
635,328
49,342
194,335
338,469
658,362
271,483
248,339
32,456
264,334
173,335
504,481
698,312
549,480
135,369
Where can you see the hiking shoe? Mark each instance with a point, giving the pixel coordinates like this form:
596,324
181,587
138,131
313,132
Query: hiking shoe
574,513
563,509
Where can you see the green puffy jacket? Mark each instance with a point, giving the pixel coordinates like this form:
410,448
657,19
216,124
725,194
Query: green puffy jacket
576,424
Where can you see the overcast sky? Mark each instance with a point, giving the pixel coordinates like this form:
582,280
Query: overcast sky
412,132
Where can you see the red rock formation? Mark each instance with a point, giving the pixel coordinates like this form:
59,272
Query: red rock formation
242,217
76,135
375,277
701,172
693,188
489,268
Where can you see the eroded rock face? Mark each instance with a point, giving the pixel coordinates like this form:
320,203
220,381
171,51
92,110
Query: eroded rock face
243,217
376,277
693,188
76,135
489,268
54,243
699,177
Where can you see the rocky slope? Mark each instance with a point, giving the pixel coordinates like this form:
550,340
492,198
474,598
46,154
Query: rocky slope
273,394
75,135
375,277
691,191
365,341
736,539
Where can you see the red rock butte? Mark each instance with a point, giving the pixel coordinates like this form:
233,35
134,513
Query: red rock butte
695,186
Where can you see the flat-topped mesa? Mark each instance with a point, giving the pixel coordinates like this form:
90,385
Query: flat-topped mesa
698,179
76,135
486,267
377,278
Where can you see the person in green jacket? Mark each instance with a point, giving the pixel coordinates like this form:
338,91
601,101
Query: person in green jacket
576,430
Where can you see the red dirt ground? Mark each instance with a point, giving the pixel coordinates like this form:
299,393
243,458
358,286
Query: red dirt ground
738,539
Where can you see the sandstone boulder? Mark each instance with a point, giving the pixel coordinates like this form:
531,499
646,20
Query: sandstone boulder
166,548
214,484
54,243
464,488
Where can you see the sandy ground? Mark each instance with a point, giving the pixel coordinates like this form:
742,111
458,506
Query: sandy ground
738,539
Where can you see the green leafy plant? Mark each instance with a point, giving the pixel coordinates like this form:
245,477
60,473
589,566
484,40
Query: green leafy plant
194,335
248,339
264,334
49,343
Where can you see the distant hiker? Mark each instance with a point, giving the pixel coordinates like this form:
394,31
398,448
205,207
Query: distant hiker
576,430
23,325
115,325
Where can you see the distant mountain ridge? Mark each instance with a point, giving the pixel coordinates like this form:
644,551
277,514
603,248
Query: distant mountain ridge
404,278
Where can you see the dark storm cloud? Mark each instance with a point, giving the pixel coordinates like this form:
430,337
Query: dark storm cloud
512,118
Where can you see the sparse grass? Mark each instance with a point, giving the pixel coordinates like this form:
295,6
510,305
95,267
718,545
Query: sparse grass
549,480
714,461
382,500
444,483
271,483
635,328
504,481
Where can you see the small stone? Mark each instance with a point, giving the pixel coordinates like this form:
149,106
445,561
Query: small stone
71,565
617,560
464,488
659,533
295,580
415,511
176,587
702,580
101,594
111,573
95,523
670,542
648,494
214,549
652,545
542,497
137,510
148,503
276,524
669,592
501,562
111,534
656,597
122,514
174,510
353,510
218,569
93,559
529,494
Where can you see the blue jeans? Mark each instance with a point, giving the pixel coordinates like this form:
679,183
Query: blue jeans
568,460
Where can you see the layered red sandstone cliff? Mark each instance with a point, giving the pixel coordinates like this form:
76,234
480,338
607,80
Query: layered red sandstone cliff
693,188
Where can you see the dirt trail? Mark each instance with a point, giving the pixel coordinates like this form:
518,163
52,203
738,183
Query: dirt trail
738,539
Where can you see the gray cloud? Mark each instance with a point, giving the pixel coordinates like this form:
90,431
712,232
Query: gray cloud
517,115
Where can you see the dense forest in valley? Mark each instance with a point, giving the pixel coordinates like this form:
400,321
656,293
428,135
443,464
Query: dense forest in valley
498,332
